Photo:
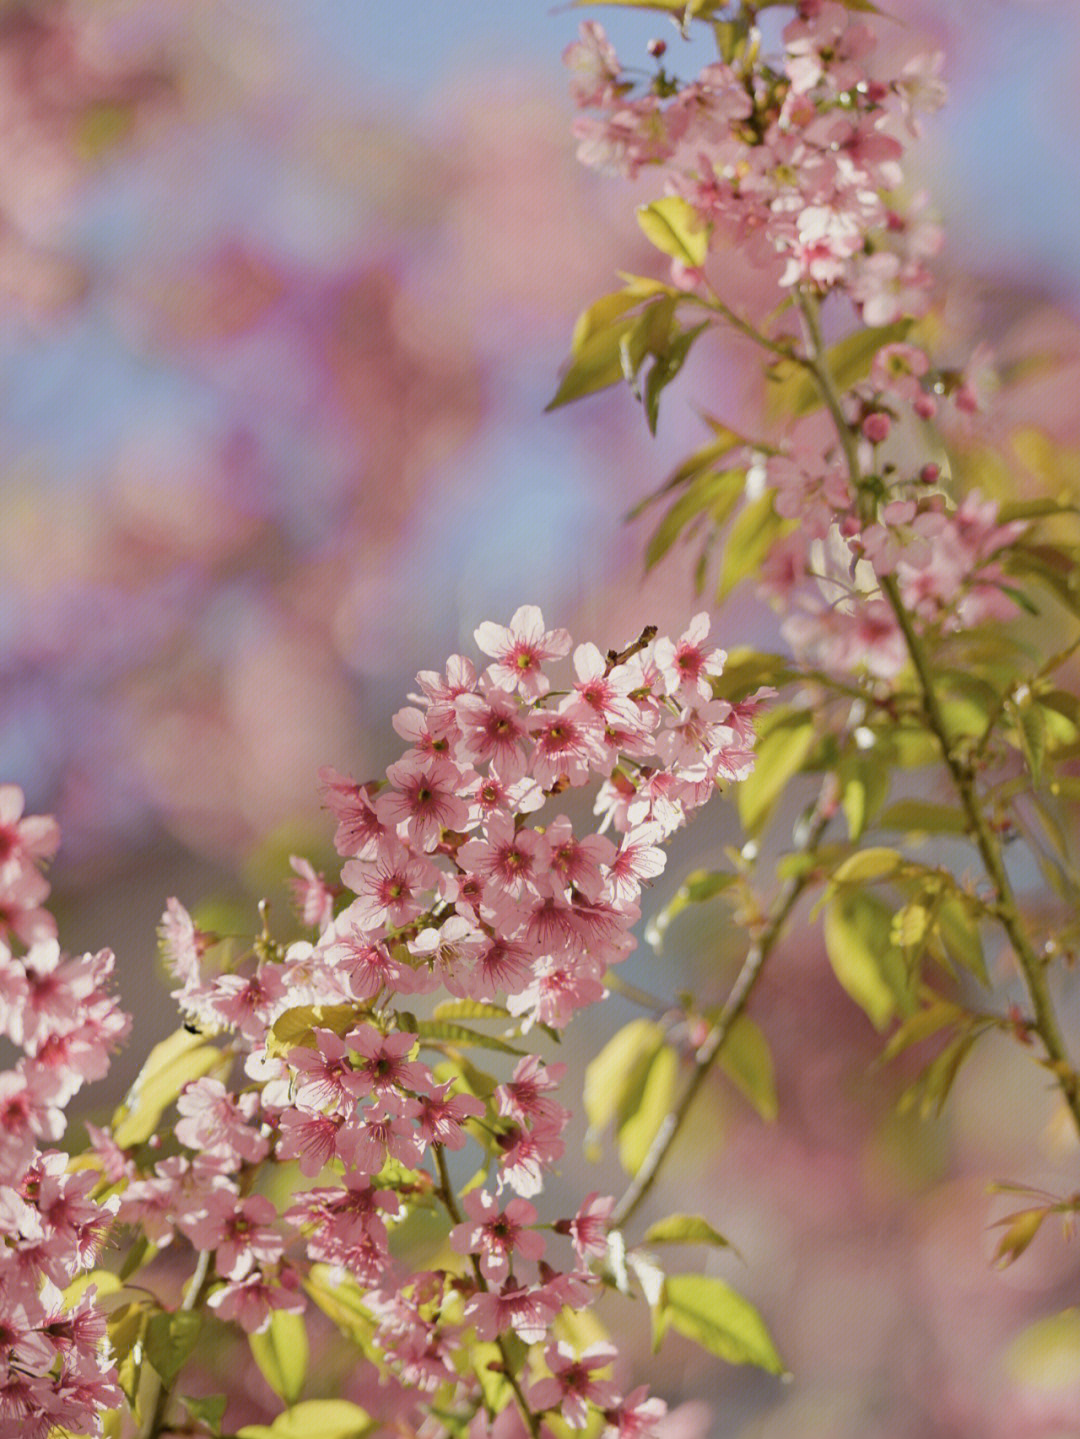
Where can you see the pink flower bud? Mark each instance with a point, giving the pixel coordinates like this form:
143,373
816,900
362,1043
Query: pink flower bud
925,407
656,48
929,474
876,427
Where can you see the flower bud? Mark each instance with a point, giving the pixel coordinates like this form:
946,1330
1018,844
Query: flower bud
876,427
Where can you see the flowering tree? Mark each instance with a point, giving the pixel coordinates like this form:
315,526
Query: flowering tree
328,1091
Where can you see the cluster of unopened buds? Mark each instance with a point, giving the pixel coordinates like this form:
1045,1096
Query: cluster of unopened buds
450,884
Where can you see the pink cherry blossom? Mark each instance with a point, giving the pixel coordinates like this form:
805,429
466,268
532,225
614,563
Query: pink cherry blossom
521,649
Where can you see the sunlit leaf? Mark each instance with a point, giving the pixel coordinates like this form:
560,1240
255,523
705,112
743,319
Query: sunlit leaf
617,1073
715,494
169,1066
794,391
785,740
755,531
746,1059
674,227
864,960
170,1338
646,1108
712,1314
314,1419
435,1032
916,816
684,1229
281,1352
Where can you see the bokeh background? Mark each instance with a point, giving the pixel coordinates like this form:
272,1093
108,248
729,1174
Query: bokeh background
284,287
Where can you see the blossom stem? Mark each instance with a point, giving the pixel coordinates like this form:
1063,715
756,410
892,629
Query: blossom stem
637,995
444,1191
161,1393
1005,908
710,1048
776,347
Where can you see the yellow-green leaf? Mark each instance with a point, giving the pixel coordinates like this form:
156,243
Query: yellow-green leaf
684,1229
864,960
281,1352
746,1059
209,1409
314,1419
868,865
752,536
916,816
648,1109
715,493
674,227
170,1338
620,1065
784,743
794,391
712,1314
169,1066
436,1032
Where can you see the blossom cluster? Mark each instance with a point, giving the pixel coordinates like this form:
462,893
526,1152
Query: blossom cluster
55,1367
449,884
795,162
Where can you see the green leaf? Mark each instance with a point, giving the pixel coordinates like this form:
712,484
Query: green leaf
865,786
342,1301
933,1085
746,670
209,1409
794,391
125,1328
599,362
1021,1229
601,315
684,1229
868,865
921,1025
702,462
869,967
433,1033
488,1365
752,536
785,739
314,1419
621,1064
674,227
648,1109
959,930
170,1338
295,1028
469,1009
665,368
746,1059
1033,738
915,816
169,1066
712,1314
281,1352
715,493
698,887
